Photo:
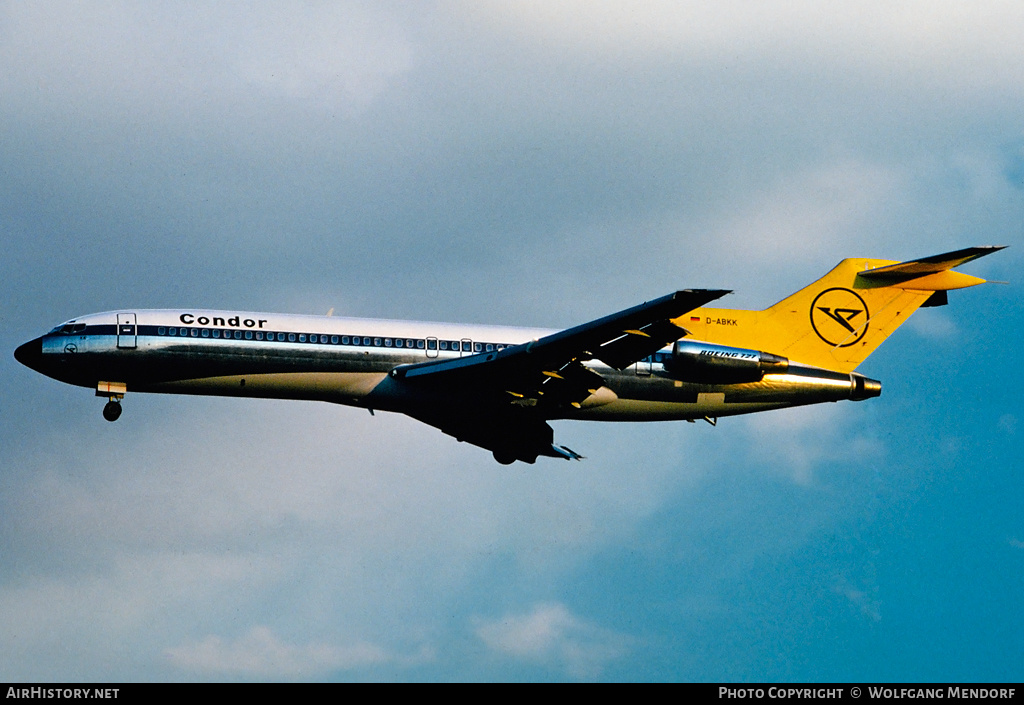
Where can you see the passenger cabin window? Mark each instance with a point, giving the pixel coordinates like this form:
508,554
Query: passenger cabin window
315,338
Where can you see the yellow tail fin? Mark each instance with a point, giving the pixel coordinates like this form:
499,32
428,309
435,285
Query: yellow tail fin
839,320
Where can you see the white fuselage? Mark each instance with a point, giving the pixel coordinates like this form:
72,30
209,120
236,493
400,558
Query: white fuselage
348,361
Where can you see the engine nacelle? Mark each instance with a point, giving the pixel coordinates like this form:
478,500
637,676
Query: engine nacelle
706,363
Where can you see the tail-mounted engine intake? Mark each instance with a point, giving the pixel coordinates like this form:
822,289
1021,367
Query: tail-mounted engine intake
705,363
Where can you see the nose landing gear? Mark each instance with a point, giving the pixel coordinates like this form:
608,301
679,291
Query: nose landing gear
112,410
114,392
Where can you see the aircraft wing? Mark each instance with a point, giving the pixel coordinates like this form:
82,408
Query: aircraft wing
549,372
499,400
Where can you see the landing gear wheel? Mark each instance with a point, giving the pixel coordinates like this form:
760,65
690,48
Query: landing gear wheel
112,411
504,457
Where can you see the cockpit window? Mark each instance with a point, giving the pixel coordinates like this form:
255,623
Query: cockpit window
68,328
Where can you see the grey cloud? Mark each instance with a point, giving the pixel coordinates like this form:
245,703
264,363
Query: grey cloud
260,653
550,635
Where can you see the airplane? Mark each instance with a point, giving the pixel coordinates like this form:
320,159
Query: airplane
496,387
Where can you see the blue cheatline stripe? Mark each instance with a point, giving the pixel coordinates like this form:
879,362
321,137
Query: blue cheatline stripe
269,336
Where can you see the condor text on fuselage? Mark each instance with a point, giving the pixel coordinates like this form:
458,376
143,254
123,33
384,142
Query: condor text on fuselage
234,322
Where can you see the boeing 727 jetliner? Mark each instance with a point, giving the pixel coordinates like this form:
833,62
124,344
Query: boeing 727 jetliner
496,387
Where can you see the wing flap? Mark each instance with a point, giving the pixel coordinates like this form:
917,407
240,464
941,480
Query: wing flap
568,386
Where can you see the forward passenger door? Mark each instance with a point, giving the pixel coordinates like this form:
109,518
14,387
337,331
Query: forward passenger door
127,331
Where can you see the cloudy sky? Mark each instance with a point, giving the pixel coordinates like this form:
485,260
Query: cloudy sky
529,163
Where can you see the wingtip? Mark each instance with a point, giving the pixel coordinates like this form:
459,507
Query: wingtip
983,250
718,293
708,294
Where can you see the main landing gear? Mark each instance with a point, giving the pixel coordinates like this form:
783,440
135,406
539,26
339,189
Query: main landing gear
507,457
114,392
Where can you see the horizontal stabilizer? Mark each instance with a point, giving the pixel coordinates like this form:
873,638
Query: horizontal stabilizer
905,271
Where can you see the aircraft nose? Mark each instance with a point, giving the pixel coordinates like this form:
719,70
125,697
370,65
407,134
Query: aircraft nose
30,354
